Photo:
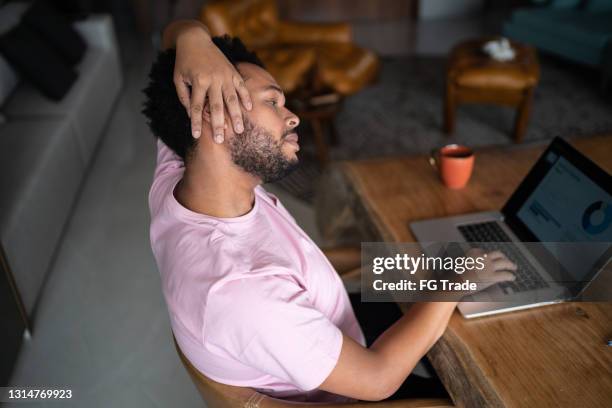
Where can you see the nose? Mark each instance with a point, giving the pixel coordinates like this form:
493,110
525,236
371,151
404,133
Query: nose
292,121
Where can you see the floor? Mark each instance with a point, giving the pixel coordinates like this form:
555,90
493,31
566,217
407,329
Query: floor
102,327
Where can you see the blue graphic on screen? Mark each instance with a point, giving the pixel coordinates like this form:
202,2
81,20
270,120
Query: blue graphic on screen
597,218
568,207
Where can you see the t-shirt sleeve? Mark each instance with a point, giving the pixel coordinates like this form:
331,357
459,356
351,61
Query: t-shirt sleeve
269,324
168,163
167,160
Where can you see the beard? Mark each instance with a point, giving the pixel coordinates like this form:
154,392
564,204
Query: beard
257,153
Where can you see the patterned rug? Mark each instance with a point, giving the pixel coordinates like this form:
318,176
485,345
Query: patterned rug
402,114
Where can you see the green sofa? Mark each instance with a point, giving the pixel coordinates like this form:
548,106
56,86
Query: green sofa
579,30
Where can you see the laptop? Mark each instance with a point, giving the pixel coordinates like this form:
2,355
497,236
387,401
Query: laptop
556,226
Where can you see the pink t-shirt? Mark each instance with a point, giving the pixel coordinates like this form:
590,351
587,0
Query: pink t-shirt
252,300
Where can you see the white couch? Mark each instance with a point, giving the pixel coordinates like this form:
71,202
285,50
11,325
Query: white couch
45,151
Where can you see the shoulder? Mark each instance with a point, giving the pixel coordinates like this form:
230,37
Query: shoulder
273,201
162,186
250,299
182,237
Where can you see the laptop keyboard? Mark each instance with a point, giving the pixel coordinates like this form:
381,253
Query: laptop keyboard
488,235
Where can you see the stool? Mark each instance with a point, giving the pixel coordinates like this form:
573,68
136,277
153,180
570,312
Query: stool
473,77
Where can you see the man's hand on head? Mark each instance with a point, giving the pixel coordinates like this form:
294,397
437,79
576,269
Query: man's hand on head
204,76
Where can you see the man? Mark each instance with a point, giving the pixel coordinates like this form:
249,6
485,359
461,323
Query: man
237,271
252,300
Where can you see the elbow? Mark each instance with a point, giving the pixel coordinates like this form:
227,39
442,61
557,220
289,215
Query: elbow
386,392
381,386
381,392
375,396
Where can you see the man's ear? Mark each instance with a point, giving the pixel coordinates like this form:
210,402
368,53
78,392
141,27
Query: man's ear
207,118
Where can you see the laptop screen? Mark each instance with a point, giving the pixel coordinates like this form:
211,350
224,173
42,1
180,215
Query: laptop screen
560,202
567,206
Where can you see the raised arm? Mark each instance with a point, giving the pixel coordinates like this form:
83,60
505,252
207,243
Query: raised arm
201,70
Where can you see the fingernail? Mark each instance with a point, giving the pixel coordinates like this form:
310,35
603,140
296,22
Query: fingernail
219,138
196,133
249,105
239,127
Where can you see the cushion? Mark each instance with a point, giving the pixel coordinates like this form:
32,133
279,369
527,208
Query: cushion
56,30
289,65
99,75
470,67
494,79
36,62
10,14
346,68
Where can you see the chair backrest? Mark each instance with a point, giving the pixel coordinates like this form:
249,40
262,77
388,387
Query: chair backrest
254,21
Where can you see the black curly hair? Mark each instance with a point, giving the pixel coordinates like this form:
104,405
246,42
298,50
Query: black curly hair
167,118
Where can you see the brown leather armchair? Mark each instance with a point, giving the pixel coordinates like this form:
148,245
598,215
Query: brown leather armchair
299,55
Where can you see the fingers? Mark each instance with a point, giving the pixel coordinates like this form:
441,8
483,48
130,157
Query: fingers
243,92
198,93
504,276
233,107
218,98
498,267
183,93
493,255
504,265
221,93
215,99
501,261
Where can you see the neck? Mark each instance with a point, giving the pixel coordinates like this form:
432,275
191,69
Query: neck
215,186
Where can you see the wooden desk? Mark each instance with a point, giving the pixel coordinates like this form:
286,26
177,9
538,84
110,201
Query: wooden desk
553,356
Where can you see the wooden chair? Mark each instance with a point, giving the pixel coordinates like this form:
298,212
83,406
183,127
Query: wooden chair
217,395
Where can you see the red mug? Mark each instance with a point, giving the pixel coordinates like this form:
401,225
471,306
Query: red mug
454,164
